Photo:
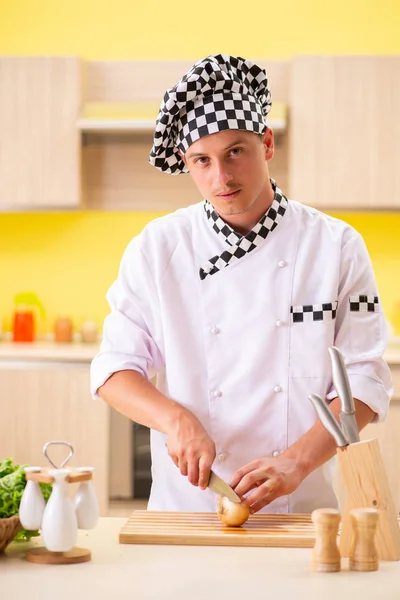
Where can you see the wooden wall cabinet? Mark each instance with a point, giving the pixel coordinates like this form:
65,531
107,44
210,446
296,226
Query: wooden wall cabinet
77,133
345,132
44,401
40,100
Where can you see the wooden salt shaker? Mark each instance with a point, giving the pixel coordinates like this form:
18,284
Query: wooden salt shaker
326,554
363,553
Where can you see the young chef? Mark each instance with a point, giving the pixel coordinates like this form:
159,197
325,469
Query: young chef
233,303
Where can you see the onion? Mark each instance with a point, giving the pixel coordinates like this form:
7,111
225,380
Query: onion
231,513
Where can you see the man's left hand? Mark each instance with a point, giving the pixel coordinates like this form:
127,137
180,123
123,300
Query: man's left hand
269,478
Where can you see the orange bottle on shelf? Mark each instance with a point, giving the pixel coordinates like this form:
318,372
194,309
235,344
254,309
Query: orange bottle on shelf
26,304
24,325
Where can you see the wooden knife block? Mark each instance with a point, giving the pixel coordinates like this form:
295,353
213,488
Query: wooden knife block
367,485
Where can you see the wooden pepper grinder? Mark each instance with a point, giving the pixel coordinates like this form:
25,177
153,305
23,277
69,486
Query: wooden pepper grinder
363,553
326,554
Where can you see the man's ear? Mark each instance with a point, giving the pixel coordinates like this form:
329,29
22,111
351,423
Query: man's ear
182,157
269,143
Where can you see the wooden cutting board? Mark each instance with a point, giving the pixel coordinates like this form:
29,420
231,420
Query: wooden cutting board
205,529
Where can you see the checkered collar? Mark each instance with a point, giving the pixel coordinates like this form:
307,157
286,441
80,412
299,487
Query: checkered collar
240,245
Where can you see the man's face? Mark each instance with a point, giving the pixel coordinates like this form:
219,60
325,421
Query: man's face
230,168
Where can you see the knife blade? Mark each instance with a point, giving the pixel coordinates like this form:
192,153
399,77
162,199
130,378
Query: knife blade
341,384
328,420
220,487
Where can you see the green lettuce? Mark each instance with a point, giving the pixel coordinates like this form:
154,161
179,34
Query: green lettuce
12,485
6,467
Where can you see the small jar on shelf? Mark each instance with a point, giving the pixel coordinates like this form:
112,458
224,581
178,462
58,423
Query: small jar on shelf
63,330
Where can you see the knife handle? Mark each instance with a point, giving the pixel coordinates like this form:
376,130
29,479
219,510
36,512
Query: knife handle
328,420
340,380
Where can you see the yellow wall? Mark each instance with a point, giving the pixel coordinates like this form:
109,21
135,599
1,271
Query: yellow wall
162,29
68,259
71,259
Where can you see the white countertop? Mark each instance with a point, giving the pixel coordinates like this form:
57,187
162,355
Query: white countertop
81,352
48,351
142,572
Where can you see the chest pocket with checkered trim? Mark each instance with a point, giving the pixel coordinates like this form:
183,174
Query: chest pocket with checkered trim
313,331
308,313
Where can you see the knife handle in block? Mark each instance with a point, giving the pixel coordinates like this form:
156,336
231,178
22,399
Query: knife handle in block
367,486
363,553
326,554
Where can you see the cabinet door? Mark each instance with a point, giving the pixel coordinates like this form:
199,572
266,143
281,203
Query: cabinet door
345,132
51,401
39,138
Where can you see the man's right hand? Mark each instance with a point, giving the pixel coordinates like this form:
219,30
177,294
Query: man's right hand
189,445
191,448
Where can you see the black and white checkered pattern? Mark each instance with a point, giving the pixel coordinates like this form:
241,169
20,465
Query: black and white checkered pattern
211,114
364,303
219,92
242,245
230,236
308,313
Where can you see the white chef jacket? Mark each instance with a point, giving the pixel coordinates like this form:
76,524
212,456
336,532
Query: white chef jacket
229,348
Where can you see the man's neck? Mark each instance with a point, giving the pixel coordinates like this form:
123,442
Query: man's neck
244,222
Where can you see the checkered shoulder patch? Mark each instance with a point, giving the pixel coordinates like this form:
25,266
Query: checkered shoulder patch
308,313
363,303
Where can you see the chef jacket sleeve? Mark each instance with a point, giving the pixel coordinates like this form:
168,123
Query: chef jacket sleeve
361,330
129,335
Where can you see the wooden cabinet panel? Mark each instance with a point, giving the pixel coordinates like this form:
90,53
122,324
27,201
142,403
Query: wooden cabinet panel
121,456
116,175
39,143
144,80
49,401
345,131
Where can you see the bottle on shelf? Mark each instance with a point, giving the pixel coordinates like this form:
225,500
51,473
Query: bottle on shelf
63,330
26,306
89,332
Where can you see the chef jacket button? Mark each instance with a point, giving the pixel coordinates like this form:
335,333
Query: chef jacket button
275,453
282,263
221,457
214,330
217,393
277,389
279,323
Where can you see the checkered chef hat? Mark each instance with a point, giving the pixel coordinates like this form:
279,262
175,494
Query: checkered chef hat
219,92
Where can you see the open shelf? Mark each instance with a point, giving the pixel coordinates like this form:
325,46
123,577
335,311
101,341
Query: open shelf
116,117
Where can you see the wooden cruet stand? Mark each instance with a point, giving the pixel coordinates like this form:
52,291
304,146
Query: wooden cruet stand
76,554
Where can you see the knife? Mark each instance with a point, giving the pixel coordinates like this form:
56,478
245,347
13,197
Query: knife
342,386
328,420
218,485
